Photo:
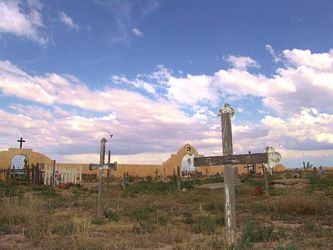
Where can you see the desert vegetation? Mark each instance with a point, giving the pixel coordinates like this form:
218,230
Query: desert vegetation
149,215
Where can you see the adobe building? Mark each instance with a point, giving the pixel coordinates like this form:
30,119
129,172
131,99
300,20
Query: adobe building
176,164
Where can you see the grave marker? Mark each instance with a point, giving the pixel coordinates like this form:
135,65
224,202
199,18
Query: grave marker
102,166
229,161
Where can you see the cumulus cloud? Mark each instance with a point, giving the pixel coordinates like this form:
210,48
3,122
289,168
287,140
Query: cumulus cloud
307,59
68,21
242,62
276,57
179,108
22,22
139,123
137,32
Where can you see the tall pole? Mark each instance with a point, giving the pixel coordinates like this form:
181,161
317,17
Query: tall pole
100,183
226,113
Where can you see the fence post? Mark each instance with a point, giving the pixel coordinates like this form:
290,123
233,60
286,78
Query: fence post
28,174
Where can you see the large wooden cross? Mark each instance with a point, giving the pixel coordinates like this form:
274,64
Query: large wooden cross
230,161
102,166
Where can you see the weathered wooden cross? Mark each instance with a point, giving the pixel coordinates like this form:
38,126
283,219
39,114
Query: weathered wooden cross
102,166
21,141
230,161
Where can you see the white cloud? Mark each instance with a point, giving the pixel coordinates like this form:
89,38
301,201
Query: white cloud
276,57
242,62
307,130
305,58
68,21
25,23
191,89
137,83
137,32
139,123
300,92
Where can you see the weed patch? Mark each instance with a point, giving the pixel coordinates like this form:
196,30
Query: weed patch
144,227
287,247
111,216
256,232
204,224
152,187
214,207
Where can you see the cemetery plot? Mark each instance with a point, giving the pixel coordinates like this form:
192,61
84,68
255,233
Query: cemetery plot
155,215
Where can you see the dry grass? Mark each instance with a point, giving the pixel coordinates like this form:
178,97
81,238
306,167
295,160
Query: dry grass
157,217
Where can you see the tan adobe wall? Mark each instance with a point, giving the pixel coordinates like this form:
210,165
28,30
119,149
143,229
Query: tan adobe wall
84,166
132,169
165,169
34,157
137,170
175,160
211,170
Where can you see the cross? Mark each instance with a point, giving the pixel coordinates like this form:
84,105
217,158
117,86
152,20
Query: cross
230,161
21,141
102,166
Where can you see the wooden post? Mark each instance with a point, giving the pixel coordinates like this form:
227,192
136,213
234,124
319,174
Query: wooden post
108,171
53,172
100,184
264,169
226,114
178,178
28,173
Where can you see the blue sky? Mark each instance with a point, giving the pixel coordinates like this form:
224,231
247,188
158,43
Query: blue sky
154,73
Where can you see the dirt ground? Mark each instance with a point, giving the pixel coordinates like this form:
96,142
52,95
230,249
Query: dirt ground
149,215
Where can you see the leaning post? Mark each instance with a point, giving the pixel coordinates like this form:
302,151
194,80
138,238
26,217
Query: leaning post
226,113
100,183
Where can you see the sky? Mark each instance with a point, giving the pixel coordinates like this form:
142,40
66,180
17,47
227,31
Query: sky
154,74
